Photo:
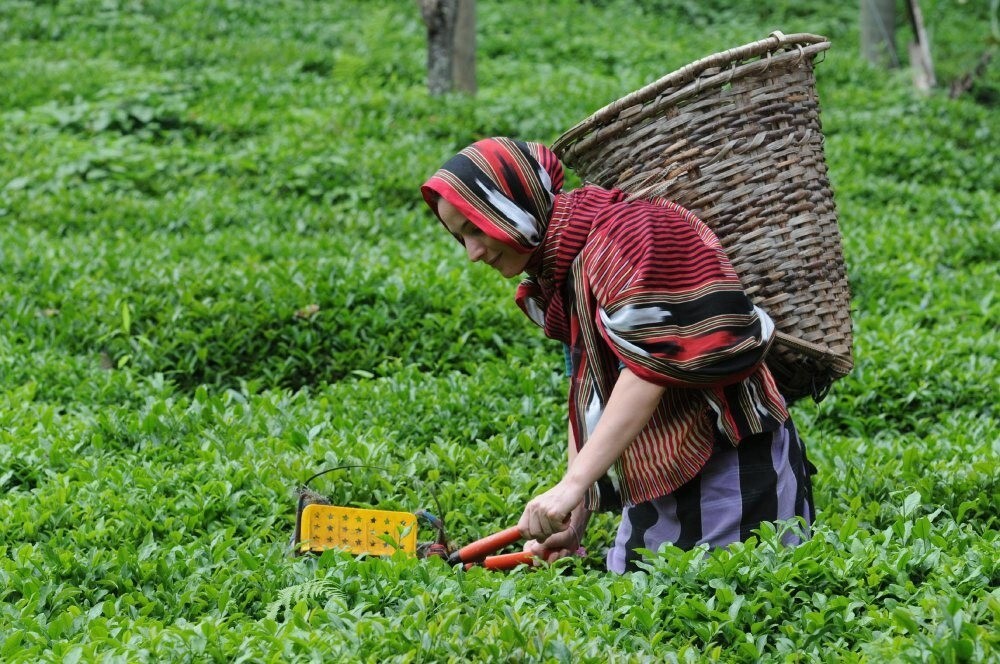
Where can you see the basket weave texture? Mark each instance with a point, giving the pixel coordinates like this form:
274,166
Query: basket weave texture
735,137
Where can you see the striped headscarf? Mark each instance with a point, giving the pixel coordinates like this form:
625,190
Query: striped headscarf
503,186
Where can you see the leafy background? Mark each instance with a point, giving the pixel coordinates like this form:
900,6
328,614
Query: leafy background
180,181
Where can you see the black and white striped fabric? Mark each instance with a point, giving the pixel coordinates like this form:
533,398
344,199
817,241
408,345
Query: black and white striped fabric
765,479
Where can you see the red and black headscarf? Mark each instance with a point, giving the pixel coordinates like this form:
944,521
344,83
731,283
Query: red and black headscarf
504,186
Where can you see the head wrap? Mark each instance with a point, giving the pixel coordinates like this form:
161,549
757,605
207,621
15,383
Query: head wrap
503,186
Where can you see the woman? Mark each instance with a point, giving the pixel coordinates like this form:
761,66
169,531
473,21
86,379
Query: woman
673,414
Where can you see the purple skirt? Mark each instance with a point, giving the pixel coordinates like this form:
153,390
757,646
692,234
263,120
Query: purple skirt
764,479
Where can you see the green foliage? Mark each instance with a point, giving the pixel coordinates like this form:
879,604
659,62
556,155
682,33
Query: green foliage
216,278
303,592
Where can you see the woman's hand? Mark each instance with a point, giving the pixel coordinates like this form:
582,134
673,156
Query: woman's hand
564,543
548,513
560,545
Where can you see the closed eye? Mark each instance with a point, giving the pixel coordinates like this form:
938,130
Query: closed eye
468,229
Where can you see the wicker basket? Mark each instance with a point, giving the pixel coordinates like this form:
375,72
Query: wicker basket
736,138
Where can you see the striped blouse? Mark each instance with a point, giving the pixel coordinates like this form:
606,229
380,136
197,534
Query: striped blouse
650,288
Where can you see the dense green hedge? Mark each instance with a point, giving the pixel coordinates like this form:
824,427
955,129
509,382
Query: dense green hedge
216,277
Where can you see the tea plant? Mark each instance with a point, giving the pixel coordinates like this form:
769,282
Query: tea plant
217,278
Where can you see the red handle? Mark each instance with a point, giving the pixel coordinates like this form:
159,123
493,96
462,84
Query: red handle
505,561
480,548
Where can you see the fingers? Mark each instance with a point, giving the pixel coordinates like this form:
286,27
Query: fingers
545,525
557,554
549,513
538,523
548,554
535,548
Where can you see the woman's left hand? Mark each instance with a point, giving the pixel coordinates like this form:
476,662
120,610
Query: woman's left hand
549,512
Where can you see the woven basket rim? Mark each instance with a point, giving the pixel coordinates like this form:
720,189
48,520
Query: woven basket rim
775,41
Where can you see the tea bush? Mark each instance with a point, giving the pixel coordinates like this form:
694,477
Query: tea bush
217,278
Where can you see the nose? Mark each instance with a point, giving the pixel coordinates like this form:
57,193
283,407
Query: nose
475,249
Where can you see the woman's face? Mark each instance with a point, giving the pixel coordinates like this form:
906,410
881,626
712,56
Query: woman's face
478,245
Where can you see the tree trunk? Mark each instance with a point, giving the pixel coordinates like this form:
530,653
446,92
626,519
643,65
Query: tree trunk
920,50
464,66
439,16
878,32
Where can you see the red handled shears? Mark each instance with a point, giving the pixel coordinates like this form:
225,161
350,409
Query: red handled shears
477,553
